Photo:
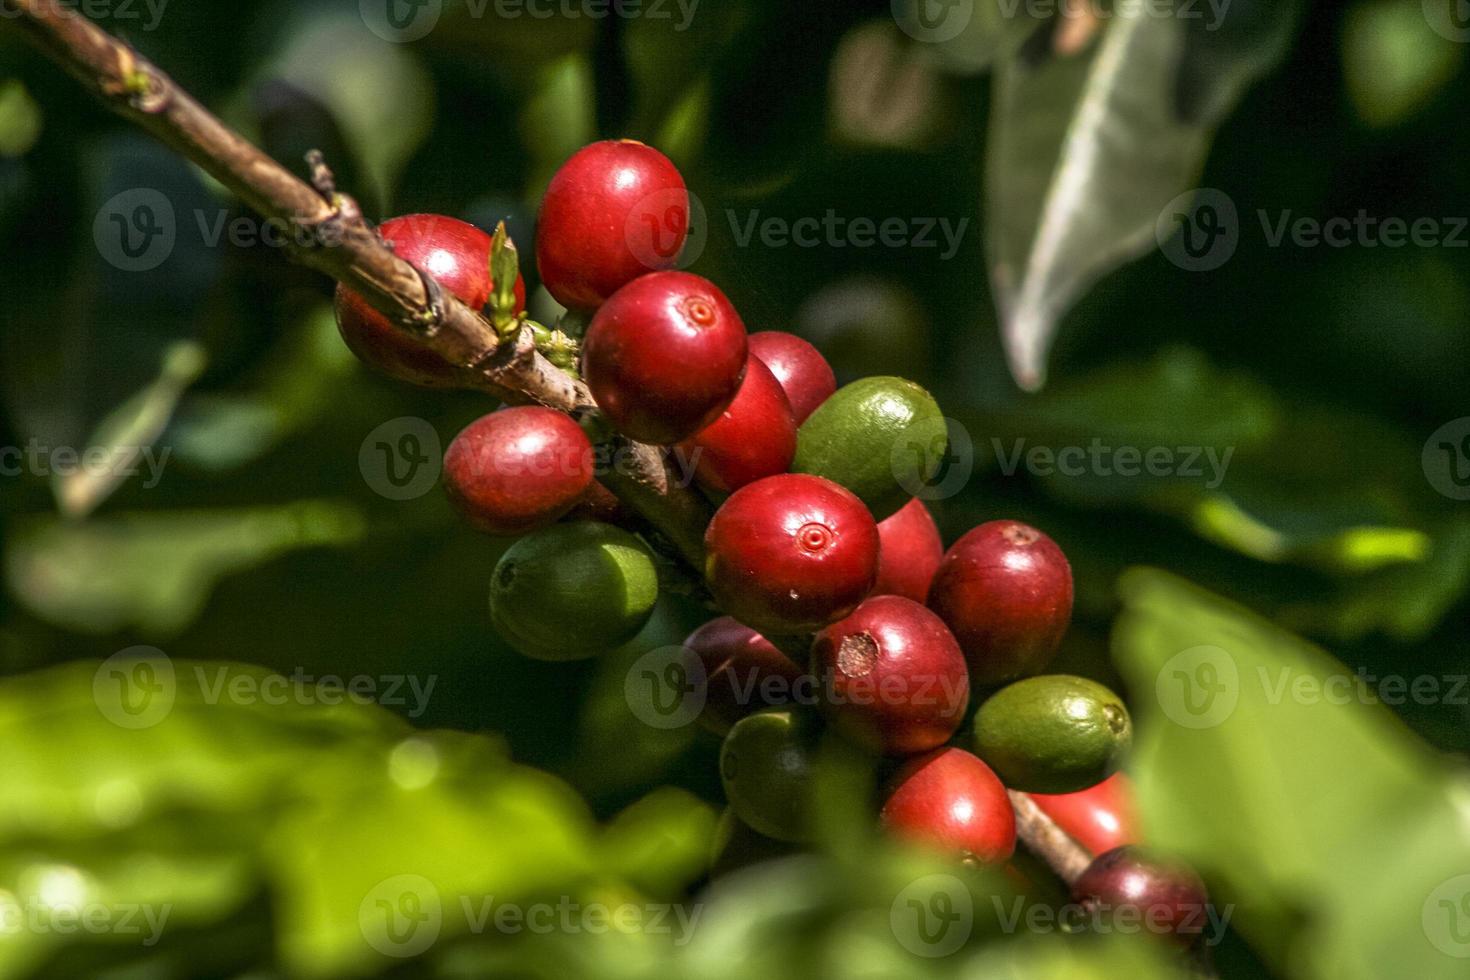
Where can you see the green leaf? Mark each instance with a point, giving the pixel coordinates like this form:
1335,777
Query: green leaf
1260,759
661,843
1086,153
1393,66
86,577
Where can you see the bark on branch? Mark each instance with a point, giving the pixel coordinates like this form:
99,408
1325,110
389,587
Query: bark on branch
342,244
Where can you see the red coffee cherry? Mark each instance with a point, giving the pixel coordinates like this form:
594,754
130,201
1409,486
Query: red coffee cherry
804,373
754,437
518,469
1168,899
791,553
912,551
893,678
1005,591
743,672
665,356
950,800
1100,818
457,255
614,211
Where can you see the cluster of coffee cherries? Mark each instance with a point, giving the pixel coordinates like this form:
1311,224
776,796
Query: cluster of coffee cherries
843,611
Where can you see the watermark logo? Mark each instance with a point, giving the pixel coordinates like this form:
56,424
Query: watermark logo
401,21
933,21
666,688
135,231
1446,917
1199,687
934,916
401,916
1450,19
135,688
1198,230
143,15
653,228
934,459
1446,459
401,458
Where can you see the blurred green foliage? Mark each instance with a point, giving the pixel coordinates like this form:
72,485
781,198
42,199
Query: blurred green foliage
1316,375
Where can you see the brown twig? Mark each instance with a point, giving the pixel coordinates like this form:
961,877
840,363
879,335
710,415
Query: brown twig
342,244
1047,841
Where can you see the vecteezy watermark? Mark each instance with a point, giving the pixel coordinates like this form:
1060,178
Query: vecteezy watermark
404,915
1446,459
1204,463
143,15
669,687
1200,230
401,459
405,21
1199,687
1188,919
1445,917
138,687
834,230
1450,19
40,915
933,916
40,459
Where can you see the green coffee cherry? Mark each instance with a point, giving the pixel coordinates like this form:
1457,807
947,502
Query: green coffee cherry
1053,734
882,438
766,765
573,591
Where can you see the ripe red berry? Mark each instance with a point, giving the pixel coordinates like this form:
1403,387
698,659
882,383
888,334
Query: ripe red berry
1164,898
950,800
614,211
743,672
518,469
912,551
754,437
665,356
892,677
1005,590
804,373
791,553
1100,818
457,255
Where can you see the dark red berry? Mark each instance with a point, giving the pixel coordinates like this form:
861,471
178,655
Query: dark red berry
804,373
665,356
1167,899
1099,818
912,551
518,469
1005,591
743,672
754,437
892,678
614,211
948,799
457,255
791,553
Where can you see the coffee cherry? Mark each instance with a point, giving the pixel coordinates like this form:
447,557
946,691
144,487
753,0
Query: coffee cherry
912,551
1005,590
1099,818
754,437
614,211
457,255
572,591
1165,898
743,672
1053,734
803,372
893,678
518,469
665,356
766,766
791,553
950,800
